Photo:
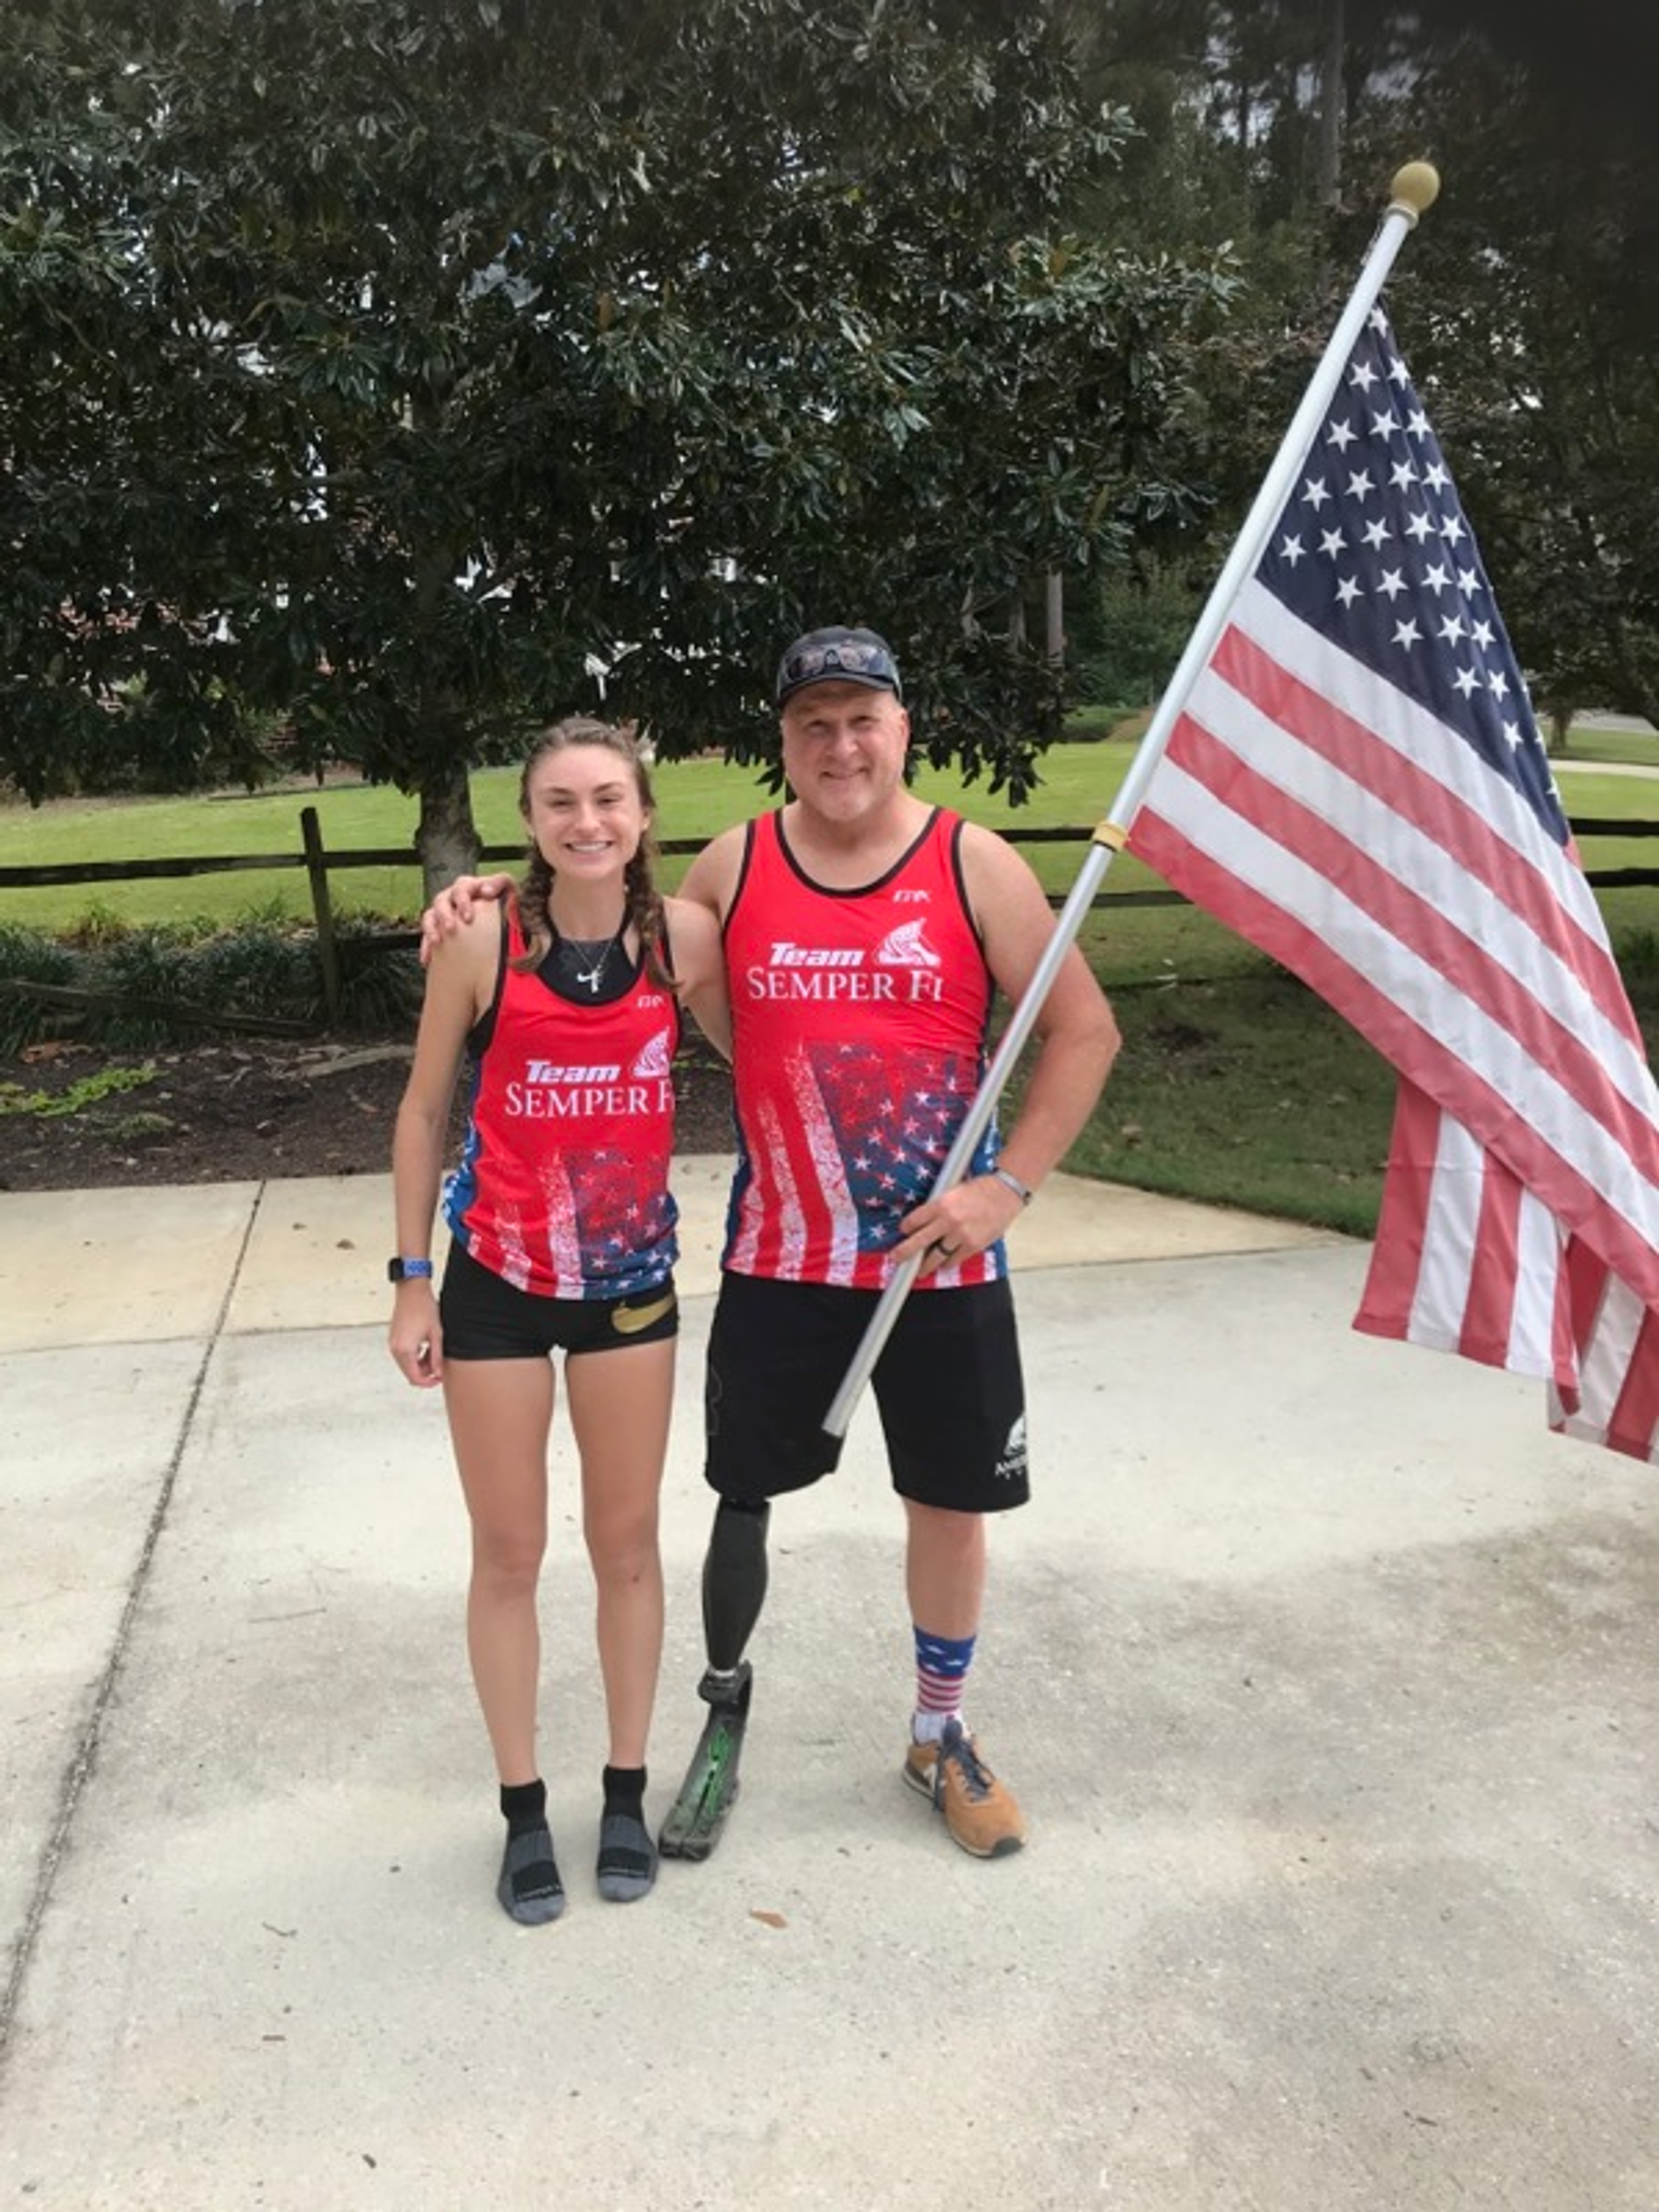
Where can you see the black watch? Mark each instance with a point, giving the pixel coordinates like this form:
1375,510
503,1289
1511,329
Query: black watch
408,1271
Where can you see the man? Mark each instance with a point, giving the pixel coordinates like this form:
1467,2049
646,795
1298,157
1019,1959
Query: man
865,934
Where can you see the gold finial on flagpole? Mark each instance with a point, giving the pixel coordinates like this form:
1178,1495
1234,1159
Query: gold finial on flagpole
1415,188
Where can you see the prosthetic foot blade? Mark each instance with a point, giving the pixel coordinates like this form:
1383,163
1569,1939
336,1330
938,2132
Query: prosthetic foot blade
697,1816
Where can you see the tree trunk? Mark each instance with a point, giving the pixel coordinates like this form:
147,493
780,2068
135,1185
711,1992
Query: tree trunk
1055,610
1331,73
448,837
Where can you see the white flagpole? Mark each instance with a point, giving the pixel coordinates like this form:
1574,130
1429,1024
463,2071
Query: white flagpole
1411,194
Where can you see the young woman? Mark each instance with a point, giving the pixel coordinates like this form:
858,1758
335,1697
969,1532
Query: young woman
562,1231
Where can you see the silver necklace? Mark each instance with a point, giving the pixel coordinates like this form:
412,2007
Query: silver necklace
585,959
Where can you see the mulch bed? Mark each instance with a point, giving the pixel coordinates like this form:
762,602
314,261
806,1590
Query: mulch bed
97,1118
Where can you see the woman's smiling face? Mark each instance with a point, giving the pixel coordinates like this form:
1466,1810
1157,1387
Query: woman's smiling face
583,806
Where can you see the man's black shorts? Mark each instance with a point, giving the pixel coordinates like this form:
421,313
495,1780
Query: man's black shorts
948,1388
485,1318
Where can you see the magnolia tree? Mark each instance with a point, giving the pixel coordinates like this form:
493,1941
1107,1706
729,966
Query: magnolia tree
412,368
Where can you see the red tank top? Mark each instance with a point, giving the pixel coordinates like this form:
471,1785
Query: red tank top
562,1184
859,1021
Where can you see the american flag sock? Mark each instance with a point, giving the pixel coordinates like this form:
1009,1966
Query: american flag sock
942,1664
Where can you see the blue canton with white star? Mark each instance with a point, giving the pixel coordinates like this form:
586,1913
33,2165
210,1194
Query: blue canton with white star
1373,549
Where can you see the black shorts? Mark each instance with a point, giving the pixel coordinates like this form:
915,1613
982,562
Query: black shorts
947,1386
485,1318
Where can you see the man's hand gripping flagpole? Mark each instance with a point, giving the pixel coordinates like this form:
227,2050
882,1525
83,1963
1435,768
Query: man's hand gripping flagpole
1412,193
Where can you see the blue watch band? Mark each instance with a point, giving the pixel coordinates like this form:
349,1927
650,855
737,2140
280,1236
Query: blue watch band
408,1271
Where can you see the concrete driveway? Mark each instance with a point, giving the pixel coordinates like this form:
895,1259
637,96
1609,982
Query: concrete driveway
1326,1676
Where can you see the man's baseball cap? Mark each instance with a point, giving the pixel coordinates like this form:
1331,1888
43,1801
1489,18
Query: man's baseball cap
839,656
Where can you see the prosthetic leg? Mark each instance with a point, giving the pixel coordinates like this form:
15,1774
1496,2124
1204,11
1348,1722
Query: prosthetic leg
733,1591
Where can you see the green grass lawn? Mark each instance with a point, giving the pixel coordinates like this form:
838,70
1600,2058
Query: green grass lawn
1592,740
1244,1090
1080,783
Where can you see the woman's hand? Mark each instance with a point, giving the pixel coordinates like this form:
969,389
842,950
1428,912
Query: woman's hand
416,1338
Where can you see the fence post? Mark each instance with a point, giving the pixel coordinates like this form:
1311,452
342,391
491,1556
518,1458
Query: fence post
328,953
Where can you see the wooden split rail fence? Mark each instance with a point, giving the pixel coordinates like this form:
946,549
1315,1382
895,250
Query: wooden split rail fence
318,863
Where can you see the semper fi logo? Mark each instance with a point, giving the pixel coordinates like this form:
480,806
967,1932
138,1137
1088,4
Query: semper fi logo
903,969
552,1092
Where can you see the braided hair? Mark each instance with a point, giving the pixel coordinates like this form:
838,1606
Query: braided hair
643,902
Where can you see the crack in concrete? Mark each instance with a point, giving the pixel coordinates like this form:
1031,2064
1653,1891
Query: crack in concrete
80,1764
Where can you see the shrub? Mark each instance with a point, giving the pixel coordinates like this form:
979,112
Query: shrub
378,991
144,984
256,970
27,957
1128,651
142,973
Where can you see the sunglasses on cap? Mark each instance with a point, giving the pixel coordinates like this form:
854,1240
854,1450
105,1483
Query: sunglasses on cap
819,658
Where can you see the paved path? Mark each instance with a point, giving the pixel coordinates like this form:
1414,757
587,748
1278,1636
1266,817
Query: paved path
1587,724
1329,1678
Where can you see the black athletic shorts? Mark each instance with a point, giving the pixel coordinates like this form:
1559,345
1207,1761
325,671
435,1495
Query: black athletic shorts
486,1317
947,1386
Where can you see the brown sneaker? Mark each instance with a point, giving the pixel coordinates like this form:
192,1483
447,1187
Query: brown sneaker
979,1810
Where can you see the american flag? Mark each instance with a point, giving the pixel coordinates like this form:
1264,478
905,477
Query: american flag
1357,785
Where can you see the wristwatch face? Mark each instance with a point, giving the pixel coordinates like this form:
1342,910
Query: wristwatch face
403,1271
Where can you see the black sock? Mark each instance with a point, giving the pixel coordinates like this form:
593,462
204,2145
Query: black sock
624,1790
627,1857
529,1888
524,1805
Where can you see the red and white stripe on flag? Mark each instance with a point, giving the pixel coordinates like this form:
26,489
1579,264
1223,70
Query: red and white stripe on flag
1468,1261
1356,785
